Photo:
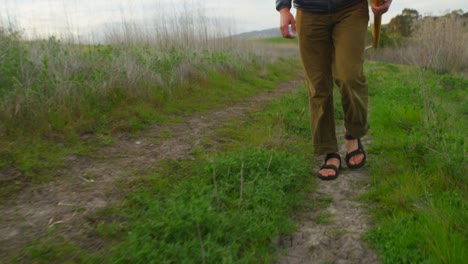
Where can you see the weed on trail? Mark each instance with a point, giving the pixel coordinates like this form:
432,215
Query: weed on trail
419,165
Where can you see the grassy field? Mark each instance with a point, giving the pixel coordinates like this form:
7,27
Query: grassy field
54,93
231,204
419,168
228,206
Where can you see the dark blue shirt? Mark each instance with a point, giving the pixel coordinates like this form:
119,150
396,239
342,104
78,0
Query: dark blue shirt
318,6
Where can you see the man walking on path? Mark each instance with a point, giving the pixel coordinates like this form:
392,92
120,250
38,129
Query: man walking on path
332,36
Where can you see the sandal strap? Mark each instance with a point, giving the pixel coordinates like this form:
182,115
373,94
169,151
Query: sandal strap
332,156
329,166
358,151
354,153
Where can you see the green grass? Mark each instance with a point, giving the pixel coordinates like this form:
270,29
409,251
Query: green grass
203,217
418,165
226,206
35,161
324,218
322,202
279,40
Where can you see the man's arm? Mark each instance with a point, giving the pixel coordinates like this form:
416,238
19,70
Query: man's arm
286,18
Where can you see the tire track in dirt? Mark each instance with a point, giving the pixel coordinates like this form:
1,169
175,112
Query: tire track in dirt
339,239
92,182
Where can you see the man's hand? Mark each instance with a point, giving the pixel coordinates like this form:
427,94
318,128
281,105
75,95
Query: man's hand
382,9
286,19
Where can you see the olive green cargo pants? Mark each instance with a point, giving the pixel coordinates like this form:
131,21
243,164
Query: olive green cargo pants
332,51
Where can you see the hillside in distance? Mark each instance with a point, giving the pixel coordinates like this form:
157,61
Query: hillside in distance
259,34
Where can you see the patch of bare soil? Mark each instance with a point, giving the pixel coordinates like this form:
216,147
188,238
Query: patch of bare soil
332,234
90,183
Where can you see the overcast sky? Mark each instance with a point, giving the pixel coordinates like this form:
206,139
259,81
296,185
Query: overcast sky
90,16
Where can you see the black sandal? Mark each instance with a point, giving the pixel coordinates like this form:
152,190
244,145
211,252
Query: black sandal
329,166
358,151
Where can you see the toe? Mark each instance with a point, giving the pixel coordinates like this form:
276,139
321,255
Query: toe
324,173
327,173
356,159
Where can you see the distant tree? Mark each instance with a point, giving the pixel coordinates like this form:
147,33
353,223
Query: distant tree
403,24
458,16
412,13
458,12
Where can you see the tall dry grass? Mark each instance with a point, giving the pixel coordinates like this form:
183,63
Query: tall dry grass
53,85
439,44
186,28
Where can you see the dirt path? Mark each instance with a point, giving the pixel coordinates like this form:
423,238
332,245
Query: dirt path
332,225
92,182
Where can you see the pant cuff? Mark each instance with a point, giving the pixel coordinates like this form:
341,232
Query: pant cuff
322,150
357,131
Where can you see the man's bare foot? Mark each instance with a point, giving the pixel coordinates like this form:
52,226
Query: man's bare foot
352,145
330,169
355,155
